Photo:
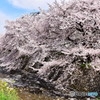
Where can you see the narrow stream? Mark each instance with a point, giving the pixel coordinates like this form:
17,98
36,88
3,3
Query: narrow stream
24,93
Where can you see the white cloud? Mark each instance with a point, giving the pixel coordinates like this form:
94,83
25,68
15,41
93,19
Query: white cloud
3,18
31,4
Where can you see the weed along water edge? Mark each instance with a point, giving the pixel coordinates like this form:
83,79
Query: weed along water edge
7,92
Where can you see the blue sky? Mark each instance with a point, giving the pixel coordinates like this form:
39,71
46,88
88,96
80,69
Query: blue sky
12,9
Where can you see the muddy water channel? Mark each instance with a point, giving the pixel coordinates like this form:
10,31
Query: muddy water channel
24,93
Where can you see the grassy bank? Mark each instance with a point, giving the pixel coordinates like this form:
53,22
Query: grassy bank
7,93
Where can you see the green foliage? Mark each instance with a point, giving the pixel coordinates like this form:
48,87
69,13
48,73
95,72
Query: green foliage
83,65
98,98
7,93
86,65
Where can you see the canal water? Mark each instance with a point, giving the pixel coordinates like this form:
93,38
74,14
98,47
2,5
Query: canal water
24,93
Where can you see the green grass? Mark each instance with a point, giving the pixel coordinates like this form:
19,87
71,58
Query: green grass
7,93
98,98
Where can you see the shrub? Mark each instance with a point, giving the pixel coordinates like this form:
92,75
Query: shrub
7,93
